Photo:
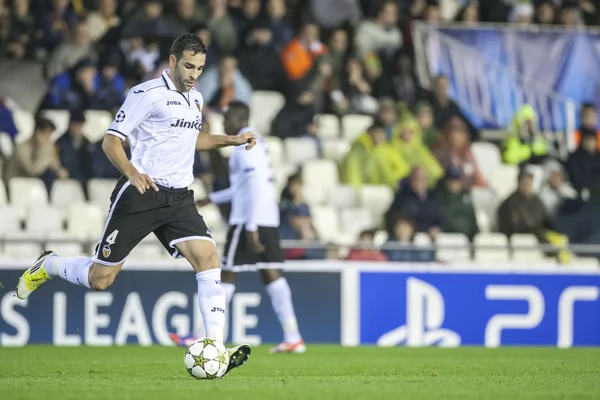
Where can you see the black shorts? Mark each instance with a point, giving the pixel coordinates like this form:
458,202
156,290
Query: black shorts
170,213
238,253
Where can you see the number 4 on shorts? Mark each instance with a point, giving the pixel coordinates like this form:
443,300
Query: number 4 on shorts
112,238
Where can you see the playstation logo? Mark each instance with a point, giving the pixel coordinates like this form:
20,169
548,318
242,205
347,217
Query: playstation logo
425,312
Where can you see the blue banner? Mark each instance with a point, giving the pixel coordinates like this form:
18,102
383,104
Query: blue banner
445,309
144,306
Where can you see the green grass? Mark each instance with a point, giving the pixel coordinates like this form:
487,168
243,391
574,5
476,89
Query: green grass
324,372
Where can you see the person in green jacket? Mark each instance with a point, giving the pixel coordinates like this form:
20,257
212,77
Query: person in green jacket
372,160
407,139
524,142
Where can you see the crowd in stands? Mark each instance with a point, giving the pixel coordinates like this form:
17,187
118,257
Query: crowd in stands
335,57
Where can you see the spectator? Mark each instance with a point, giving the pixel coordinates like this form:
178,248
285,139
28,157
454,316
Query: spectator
545,12
7,122
366,250
331,14
454,150
185,18
221,26
388,115
72,51
372,160
521,14
415,201
356,91
424,115
282,31
296,221
338,54
379,38
444,107
75,151
524,143
223,84
141,56
458,205
403,234
588,118
106,18
570,14
399,84
54,23
147,22
468,14
260,61
555,191
432,13
583,165
524,212
245,19
407,141
212,52
300,54
20,27
102,168
36,158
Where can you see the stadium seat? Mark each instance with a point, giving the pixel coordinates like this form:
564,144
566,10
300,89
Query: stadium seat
212,215
199,190
66,192
3,196
452,247
487,156
21,246
300,150
275,150
61,119
215,123
328,126
326,221
491,248
265,106
149,248
99,192
85,221
96,124
355,220
26,192
381,237
319,178
377,199
10,220
65,245
485,204
525,248
343,196
25,124
503,180
335,150
422,239
44,220
6,146
355,125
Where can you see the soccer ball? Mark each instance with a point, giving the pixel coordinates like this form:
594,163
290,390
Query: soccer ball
206,358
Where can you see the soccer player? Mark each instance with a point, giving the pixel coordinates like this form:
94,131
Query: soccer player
162,119
253,238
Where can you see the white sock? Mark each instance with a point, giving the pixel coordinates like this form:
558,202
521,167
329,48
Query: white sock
73,269
211,300
281,299
229,291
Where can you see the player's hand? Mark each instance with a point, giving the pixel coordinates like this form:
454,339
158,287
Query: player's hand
202,202
142,182
255,245
247,138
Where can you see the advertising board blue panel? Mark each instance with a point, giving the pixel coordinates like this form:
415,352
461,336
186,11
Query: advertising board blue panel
449,309
144,306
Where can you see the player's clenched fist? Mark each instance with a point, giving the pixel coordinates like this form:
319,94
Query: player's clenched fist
142,182
247,138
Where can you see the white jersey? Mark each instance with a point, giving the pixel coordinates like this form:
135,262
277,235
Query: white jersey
252,188
162,125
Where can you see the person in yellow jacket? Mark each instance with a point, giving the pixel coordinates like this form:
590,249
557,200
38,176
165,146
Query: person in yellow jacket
524,142
372,160
408,140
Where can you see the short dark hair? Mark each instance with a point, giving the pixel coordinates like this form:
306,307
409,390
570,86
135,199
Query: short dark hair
588,106
44,124
239,107
187,42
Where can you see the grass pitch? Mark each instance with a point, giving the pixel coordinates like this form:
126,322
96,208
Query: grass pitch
324,372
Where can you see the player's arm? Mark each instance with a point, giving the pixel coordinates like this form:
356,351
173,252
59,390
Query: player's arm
135,109
207,141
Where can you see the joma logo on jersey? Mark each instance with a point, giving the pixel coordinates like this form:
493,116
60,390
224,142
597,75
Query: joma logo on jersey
182,123
173,103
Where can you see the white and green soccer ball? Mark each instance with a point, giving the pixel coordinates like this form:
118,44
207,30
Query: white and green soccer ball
206,358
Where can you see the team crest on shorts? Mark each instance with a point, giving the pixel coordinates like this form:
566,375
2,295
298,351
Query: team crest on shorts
106,251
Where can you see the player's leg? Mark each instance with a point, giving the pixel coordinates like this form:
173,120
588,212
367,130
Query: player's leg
279,291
